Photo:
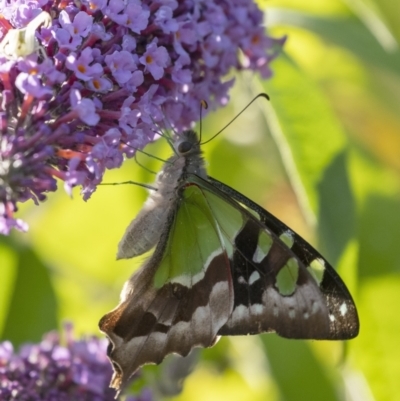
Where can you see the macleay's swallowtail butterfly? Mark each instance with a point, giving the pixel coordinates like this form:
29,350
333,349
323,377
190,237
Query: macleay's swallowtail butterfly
221,265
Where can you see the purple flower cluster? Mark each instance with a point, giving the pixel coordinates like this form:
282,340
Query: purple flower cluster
49,371
84,84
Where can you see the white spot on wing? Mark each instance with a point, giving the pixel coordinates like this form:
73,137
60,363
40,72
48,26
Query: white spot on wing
167,321
220,314
332,318
241,280
212,255
201,314
254,277
292,313
256,309
186,279
199,323
343,309
157,337
239,313
181,327
259,255
242,313
314,307
220,287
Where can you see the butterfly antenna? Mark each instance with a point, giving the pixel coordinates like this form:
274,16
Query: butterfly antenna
143,166
140,184
203,106
145,153
264,95
167,121
164,135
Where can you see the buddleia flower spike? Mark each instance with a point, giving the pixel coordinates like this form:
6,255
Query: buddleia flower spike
84,84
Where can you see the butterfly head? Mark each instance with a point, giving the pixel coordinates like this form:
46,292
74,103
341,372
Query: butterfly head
187,143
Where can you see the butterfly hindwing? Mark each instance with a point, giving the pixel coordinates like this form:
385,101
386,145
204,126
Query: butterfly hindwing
177,300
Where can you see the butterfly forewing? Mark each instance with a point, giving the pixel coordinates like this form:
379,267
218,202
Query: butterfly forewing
340,307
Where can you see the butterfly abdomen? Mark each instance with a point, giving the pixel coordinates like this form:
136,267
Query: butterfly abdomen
145,230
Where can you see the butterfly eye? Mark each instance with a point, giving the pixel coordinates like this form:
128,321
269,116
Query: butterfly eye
184,147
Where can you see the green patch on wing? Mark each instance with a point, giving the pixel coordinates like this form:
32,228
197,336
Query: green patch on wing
317,269
286,279
230,220
194,237
205,225
287,238
263,246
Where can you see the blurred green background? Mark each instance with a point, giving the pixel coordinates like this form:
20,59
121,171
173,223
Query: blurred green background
323,156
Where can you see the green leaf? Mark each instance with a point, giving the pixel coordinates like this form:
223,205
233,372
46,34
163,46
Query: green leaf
387,11
376,21
297,372
379,236
377,190
8,259
376,351
348,33
305,129
337,214
32,306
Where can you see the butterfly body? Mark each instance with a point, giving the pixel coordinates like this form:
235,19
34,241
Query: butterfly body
221,265
145,230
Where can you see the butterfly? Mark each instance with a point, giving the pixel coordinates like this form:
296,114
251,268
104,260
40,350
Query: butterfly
221,265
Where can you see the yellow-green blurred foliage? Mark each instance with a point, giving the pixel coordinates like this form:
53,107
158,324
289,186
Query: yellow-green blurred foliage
323,156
